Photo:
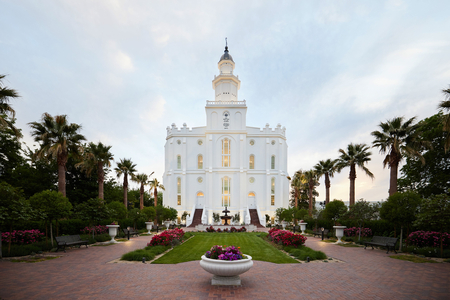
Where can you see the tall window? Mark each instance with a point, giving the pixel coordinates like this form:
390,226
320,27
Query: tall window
200,161
178,191
272,162
226,191
272,191
251,164
178,162
225,153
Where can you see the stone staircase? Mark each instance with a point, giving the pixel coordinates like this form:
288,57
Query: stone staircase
254,218
197,218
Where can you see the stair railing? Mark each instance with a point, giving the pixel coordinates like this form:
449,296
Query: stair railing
204,218
262,219
247,217
190,218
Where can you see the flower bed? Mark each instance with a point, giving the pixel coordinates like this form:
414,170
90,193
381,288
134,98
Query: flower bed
222,253
354,231
22,236
232,229
100,229
429,239
286,238
167,238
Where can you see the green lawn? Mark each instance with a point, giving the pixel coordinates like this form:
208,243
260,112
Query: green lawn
249,242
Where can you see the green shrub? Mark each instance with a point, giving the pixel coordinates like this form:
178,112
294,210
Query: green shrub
137,255
303,252
22,250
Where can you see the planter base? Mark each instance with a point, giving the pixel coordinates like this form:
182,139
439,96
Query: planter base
222,280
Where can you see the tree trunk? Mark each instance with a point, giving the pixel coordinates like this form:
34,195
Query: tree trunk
57,229
393,179
296,197
401,239
141,199
62,179
125,190
51,232
155,195
310,199
10,239
327,188
46,233
352,177
101,179
1,253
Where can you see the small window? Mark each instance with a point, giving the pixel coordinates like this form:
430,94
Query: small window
179,162
200,161
200,194
272,162
251,194
225,153
200,180
272,191
252,142
200,142
179,142
178,191
273,142
226,188
251,164
251,180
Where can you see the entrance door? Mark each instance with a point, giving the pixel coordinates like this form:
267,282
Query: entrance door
200,200
251,202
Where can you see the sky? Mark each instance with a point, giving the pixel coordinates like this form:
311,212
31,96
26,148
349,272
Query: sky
329,71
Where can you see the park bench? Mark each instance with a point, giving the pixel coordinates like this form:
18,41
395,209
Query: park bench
69,240
318,232
130,231
382,241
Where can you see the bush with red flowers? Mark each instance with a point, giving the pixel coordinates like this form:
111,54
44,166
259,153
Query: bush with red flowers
354,231
286,238
22,236
429,239
232,229
167,238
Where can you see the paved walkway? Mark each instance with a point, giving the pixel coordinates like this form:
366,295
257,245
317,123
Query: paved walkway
86,274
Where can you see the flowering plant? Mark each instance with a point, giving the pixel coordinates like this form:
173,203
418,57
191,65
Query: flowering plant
22,236
98,229
167,237
114,223
429,239
232,229
354,231
222,253
286,238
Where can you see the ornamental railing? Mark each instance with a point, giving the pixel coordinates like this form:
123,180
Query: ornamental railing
217,103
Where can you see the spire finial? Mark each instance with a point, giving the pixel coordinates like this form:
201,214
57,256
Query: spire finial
226,45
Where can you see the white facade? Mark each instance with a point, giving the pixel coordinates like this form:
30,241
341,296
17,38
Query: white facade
226,162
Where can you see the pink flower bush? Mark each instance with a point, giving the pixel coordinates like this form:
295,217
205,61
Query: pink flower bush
286,238
429,239
98,229
354,231
22,236
232,229
166,237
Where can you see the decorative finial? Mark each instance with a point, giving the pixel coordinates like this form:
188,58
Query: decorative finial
226,45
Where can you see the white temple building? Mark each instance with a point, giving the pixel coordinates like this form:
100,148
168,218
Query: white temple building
226,162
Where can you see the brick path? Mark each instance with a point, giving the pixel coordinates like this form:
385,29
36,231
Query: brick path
86,274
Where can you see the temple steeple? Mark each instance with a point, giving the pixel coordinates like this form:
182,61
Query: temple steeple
226,85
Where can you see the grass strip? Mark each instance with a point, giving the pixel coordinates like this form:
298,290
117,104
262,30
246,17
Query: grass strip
148,252
250,243
413,259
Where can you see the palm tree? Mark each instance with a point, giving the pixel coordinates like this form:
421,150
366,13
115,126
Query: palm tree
142,179
125,167
356,155
397,139
155,185
328,168
446,105
97,156
5,109
310,178
57,139
297,185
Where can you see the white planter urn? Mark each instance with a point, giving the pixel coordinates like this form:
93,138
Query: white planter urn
167,223
339,233
149,226
112,232
284,224
303,227
226,272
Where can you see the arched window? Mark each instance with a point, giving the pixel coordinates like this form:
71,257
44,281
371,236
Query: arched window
225,153
272,162
200,194
200,161
178,191
179,162
226,187
272,191
251,194
251,164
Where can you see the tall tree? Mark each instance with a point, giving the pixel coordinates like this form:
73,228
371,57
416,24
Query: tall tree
142,179
155,184
57,139
6,94
356,155
96,157
445,105
310,178
397,139
125,167
327,168
297,185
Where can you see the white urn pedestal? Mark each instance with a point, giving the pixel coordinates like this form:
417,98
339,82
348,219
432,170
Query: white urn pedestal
112,232
167,223
339,233
226,272
284,224
149,226
302,227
